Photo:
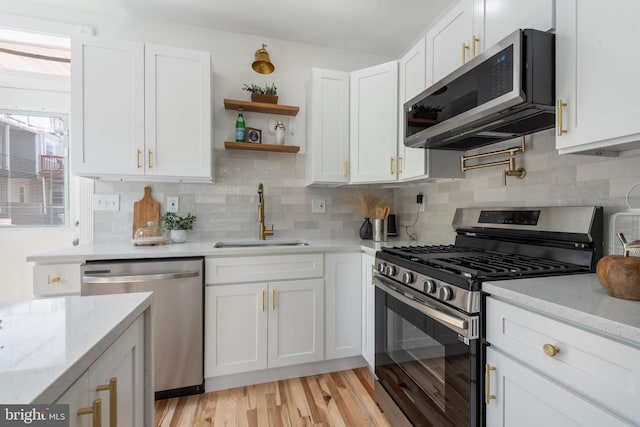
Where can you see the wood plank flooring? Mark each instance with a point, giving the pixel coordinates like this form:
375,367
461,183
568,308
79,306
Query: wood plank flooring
336,399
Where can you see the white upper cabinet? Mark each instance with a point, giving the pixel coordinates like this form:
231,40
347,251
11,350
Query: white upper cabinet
419,163
140,111
374,123
473,25
597,76
178,112
496,19
412,80
327,160
448,41
107,107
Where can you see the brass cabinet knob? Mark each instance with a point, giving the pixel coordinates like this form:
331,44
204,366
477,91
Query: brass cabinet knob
550,350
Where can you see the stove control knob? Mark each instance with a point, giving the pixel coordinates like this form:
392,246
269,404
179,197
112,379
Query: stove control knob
381,267
446,293
391,270
430,286
407,277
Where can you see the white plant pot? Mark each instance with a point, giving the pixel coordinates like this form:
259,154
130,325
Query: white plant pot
178,236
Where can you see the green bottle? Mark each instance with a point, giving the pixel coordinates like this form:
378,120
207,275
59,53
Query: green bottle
240,127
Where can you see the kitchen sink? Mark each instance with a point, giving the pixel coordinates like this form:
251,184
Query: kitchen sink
260,243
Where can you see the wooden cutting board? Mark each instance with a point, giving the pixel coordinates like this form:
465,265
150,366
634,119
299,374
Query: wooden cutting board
145,210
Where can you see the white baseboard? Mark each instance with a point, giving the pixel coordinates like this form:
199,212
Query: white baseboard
258,377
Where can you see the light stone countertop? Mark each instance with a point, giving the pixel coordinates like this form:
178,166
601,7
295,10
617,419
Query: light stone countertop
127,250
46,344
579,299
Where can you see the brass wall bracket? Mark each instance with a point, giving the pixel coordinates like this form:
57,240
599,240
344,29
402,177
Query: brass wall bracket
510,162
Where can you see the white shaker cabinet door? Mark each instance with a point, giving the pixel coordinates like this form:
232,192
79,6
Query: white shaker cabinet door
597,73
178,112
327,127
343,304
522,397
448,42
496,19
412,80
368,309
235,329
107,107
296,331
374,121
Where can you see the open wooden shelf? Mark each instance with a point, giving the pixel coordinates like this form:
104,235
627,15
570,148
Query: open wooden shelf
261,107
261,147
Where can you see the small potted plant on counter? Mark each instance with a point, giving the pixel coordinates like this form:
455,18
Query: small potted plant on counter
266,94
178,225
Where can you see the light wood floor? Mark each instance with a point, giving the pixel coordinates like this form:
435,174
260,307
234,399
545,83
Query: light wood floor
337,399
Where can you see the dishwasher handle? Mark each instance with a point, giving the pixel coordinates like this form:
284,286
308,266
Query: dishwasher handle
88,278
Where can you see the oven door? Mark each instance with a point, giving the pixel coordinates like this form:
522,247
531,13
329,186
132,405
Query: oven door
427,359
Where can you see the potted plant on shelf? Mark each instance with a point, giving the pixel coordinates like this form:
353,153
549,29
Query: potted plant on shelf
178,225
266,94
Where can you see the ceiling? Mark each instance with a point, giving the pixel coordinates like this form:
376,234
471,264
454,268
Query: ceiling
383,27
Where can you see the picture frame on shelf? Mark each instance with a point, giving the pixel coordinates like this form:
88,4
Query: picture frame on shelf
254,135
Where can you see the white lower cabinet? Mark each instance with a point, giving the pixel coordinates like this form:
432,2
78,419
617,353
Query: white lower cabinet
262,325
115,382
543,371
343,296
521,397
263,312
368,308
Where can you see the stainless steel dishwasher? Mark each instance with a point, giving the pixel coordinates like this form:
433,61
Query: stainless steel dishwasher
177,314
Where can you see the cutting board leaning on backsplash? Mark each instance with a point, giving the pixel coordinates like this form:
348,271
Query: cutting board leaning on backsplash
145,210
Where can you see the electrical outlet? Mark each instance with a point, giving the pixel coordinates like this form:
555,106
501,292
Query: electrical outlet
318,206
420,201
106,202
173,204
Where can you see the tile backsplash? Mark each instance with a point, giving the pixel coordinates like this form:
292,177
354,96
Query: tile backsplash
551,180
227,209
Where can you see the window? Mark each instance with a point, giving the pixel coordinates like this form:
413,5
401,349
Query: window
33,169
33,144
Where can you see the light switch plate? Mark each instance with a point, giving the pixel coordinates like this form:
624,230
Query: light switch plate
318,206
106,202
173,204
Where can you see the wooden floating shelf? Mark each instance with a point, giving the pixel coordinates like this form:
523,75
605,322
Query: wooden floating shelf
261,147
261,107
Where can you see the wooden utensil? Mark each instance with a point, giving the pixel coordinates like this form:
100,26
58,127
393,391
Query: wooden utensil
145,210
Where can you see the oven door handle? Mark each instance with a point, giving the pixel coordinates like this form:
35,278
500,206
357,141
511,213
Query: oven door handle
434,313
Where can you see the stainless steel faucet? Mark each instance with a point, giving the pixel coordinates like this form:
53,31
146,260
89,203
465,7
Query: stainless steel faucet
263,231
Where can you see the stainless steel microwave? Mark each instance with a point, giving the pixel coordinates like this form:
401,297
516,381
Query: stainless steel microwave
505,92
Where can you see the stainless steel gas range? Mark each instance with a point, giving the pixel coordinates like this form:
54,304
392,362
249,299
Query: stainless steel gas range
429,306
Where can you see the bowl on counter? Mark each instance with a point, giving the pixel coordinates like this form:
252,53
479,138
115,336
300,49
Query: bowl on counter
620,276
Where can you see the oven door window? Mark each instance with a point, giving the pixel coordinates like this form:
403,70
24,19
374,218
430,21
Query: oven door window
422,364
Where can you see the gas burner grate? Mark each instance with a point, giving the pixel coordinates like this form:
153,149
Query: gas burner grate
487,266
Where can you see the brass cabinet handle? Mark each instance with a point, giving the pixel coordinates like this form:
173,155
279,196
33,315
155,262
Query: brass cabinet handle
345,168
373,269
273,299
262,300
138,152
464,52
149,158
550,350
391,165
112,387
55,279
399,165
487,383
474,40
96,410
559,109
